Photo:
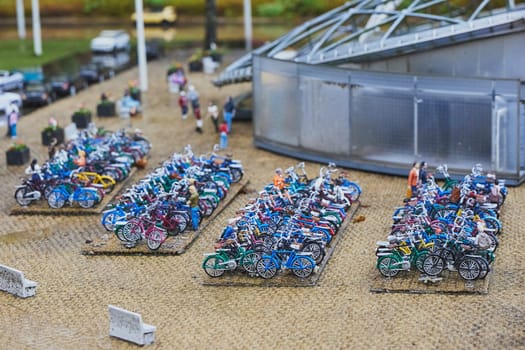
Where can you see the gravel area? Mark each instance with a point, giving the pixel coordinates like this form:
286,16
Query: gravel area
70,309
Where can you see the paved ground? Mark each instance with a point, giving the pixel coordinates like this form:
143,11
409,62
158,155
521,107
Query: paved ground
70,308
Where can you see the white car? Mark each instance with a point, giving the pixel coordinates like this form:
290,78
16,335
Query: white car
11,80
5,100
111,41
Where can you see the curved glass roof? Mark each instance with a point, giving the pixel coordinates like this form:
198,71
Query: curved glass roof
363,30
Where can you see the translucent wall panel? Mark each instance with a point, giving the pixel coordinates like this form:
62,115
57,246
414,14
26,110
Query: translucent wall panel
277,103
383,121
325,125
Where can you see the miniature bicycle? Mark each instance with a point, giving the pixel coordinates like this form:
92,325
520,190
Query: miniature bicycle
301,263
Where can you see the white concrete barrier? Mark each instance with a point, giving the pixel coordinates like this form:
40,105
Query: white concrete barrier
123,112
13,281
128,325
70,132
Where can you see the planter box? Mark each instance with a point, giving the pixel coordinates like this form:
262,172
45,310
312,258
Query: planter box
17,157
195,66
106,110
48,135
216,57
81,120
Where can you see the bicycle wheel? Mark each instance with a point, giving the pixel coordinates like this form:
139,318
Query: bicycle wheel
433,264
317,251
387,266
119,232
173,226
183,223
447,255
266,267
213,266
56,199
353,192
419,261
302,267
236,174
205,207
108,220
155,238
133,230
469,269
108,186
86,199
20,196
47,190
493,225
485,268
249,261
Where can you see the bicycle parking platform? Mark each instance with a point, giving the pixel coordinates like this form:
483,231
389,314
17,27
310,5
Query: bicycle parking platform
284,278
109,244
412,282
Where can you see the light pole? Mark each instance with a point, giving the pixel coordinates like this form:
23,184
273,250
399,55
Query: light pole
248,24
37,36
20,19
141,46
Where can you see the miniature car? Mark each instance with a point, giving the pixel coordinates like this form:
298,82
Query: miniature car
67,84
6,98
111,41
96,72
158,16
37,93
11,80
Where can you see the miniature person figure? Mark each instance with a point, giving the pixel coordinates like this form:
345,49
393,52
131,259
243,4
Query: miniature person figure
278,179
81,160
198,119
34,170
177,80
52,148
104,97
223,141
482,240
229,112
12,119
183,104
213,113
193,202
130,103
193,96
423,176
413,178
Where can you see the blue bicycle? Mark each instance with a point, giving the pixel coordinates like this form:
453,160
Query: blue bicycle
111,216
301,264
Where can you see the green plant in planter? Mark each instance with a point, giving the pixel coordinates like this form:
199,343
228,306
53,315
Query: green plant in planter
82,111
195,61
17,147
215,54
17,154
82,117
51,132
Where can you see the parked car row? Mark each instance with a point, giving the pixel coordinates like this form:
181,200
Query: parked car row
35,87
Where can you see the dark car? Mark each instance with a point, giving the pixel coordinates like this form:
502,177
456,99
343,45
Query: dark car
67,84
243,106
37,93
154,50
96,72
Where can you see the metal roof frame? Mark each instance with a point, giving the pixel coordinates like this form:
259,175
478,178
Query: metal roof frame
382,36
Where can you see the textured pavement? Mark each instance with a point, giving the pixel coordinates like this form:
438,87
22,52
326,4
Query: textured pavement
70,309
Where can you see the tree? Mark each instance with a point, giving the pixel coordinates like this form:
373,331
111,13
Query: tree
211,24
